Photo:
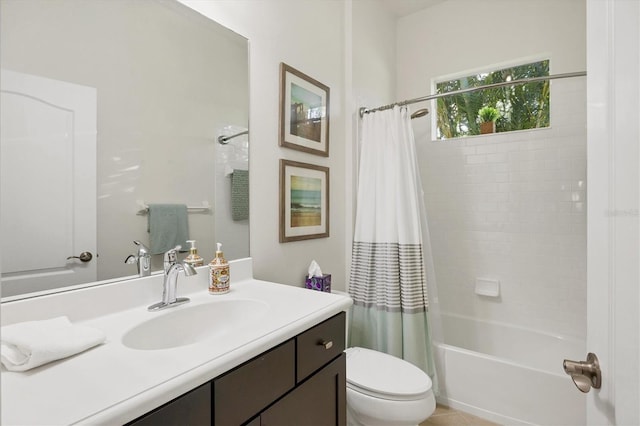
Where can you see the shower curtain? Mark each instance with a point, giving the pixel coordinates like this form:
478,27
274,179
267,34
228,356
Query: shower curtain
388,279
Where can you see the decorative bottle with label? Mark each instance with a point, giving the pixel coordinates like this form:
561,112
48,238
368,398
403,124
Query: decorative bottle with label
194,259
219,278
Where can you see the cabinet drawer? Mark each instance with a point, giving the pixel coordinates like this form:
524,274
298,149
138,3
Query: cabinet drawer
245,391
319,345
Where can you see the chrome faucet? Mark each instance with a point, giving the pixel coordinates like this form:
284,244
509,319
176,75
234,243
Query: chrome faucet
171,270
142,259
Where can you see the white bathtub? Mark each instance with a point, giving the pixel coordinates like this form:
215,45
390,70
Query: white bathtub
509,375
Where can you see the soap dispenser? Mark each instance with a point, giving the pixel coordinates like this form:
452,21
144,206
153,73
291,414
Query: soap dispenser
194,259
219,278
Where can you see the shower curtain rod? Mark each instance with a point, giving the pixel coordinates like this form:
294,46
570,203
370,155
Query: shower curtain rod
223,140
365,110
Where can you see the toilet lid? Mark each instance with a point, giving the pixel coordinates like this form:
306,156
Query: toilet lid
385,376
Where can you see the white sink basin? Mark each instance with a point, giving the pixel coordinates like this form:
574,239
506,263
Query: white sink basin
189,324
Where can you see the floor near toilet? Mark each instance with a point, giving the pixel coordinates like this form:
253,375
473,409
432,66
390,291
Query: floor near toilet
445,416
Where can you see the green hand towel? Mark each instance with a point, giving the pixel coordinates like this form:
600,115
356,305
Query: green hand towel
240,195
168,227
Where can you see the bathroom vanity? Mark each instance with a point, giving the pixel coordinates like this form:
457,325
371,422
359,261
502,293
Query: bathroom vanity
263,354
301,381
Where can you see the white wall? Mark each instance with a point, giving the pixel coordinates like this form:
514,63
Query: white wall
511,206
374,54
309,36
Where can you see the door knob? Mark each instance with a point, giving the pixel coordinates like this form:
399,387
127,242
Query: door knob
85,256
585,374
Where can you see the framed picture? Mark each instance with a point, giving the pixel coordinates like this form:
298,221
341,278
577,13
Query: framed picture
304,112
304,201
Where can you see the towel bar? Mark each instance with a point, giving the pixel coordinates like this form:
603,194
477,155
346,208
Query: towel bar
204,208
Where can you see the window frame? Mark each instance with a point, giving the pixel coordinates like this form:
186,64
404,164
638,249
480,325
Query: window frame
485,70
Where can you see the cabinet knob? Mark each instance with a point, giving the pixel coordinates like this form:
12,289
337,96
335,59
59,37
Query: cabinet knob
327,344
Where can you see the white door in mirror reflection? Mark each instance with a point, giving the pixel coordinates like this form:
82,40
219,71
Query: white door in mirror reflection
48,182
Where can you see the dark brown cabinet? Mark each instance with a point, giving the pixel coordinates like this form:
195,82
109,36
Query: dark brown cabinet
320,400
319,345
246,390
192,408
301,381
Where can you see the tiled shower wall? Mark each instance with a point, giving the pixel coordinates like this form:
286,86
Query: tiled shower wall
511,207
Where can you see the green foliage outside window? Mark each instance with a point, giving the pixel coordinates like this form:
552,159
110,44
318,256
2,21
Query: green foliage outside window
520,107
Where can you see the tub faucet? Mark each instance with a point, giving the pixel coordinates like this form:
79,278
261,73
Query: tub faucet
142,259
171,270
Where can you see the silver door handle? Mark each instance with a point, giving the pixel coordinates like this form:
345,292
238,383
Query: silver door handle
85,256
585,374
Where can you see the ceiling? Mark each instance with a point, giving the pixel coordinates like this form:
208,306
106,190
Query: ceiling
406,7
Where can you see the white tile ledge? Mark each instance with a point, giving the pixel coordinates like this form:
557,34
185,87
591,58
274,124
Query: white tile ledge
113,384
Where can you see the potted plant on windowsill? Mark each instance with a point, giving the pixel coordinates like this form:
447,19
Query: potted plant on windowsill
488,116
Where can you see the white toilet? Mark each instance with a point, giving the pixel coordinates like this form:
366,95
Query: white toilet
385,390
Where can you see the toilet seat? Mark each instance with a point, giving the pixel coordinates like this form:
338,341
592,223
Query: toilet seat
384,376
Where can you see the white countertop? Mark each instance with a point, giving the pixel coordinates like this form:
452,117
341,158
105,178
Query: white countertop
113,384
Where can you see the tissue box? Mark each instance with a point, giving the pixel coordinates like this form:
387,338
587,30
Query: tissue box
322,283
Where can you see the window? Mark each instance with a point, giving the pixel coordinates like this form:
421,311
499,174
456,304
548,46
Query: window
519,107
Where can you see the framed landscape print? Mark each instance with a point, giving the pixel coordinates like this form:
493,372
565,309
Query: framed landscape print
304,112
304,201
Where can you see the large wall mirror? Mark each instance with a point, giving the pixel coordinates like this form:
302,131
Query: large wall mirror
107,107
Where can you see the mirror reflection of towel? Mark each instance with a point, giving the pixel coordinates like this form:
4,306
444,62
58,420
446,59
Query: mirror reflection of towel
240,195
168,227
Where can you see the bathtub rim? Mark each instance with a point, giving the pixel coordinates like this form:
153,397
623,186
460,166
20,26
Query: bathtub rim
555,336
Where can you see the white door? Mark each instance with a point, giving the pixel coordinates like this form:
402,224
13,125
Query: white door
48,182
613,108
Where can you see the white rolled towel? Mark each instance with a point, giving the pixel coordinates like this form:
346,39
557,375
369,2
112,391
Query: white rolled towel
26,345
